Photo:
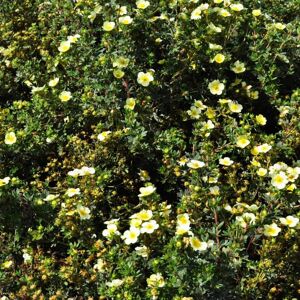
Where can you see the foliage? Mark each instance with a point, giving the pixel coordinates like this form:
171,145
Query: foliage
149,149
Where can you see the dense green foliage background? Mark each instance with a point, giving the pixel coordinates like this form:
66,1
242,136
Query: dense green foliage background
49,249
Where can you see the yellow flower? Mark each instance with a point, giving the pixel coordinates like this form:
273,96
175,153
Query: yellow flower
196,14
194,112
216,87
108,26
118,73
183,223
215,190
264,148
235,107
142,4
149,227
4,181
146,191
261,172
143,215
122,10
126,20
73,38
10,138
144,78
7,264
279,180
65,96
72,192
136,223
238,67
224,13
254,151
237,7
84,212
218,1
256,12
195,164
271,230
197,245
103,135
130,103
53,82
261,120
279,26
219,58
226,161
64,46
289,221
156,280
131,236
121,62
291,187
242,141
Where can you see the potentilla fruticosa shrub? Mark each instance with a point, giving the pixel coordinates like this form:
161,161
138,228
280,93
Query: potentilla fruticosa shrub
149,149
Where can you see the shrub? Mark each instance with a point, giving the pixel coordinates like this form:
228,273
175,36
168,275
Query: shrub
149,149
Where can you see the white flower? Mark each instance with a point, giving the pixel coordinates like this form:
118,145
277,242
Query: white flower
84,212
271,230
100,265
51,197
149,227
289,221
195,164
110,231
103,135
279,180
143,251
146,191
197,245
87,171
72,192
115,283
131,236
156,280
74,173
145,78
27,258
216,87
226,161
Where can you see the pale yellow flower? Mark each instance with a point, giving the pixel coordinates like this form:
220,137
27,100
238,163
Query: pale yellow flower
256,12
126,20
238,67
279,26
271,230
261,120
195,164
130,103
146,191
110,231
261,172
237,7
197,245
4,181
219,58
73,38
216,87
149,227
144,78
131,236
289,221
118,73
142,4
72,192
235,107
144,215
64,46
194,112
84,212
224,13
196,14
156,280
226,161
264,148
65,96
279,180
121,62
53,82
10,138
183,223
103,135
242,141
7,264
108,26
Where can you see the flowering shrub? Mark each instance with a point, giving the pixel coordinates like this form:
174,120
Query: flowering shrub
149,149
